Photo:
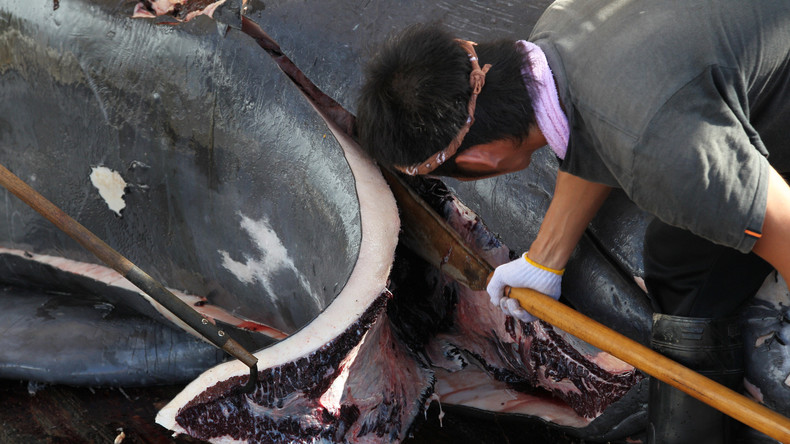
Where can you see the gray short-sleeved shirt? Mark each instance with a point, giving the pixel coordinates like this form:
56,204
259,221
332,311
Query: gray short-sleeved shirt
676,102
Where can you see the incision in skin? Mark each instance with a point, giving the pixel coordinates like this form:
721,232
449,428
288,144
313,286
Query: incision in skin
111,187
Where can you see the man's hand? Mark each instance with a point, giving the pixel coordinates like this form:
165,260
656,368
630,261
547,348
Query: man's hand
574,204
522,273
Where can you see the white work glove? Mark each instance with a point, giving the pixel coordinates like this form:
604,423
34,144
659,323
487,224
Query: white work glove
522,273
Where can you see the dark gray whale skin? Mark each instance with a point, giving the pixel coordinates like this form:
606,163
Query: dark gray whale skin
132,102
206,132
130,349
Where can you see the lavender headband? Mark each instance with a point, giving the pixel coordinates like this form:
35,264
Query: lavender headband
545,101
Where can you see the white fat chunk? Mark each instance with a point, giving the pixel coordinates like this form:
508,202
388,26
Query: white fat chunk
111,187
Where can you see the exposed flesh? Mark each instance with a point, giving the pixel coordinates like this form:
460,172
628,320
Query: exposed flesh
527,369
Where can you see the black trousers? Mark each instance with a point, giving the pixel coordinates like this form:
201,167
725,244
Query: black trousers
687,275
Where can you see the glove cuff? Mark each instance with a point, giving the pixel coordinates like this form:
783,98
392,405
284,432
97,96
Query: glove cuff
542,267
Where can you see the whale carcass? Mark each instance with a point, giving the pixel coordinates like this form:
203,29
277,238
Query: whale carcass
203,130
207,167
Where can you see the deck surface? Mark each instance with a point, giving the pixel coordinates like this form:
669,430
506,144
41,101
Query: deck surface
54,414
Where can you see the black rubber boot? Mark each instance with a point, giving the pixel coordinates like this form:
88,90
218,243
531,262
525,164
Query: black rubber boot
711,347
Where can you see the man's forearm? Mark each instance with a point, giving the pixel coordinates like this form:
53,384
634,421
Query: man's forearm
574,204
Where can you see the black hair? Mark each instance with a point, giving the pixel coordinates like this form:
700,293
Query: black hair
416,92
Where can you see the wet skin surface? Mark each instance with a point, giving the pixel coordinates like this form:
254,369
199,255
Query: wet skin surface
205,143
617,248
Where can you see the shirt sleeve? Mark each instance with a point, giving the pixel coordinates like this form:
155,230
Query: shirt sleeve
700,166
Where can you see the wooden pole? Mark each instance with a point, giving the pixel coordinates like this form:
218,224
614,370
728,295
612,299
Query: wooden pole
729,402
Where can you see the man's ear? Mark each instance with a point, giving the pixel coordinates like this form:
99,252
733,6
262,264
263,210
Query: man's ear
474,158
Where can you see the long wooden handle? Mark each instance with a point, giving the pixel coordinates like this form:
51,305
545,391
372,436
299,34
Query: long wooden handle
656,365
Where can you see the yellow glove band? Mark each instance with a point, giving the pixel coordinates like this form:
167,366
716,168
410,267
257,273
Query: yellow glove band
550,270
